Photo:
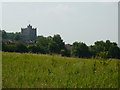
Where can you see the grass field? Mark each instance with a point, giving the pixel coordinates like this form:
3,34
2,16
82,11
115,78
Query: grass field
45,71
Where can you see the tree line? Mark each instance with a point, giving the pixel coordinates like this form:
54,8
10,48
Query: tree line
56,45
10,36
50,45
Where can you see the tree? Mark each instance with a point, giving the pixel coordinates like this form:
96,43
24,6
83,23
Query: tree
102,48
80,50
53,47
114,51
92,50
75,49
17,36
33,49
4,34
20,47
99,46
8,48
10,36
43,43
107,45
11,48
61,45
65,52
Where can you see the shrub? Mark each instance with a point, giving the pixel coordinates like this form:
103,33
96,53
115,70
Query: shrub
103,55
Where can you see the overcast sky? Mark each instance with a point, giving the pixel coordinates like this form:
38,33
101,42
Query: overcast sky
75,21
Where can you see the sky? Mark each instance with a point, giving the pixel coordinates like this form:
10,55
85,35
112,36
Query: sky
75,21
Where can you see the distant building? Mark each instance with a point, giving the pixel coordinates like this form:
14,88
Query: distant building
68,46
28,34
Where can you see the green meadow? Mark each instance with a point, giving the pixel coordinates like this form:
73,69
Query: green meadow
26,70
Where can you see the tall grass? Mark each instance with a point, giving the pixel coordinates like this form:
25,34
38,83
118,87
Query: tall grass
45,71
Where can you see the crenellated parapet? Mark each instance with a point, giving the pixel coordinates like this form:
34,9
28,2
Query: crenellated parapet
29,33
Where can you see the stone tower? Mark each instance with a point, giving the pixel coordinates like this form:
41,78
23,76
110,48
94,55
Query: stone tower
29,33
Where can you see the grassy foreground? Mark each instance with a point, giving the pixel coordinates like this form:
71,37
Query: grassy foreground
45,71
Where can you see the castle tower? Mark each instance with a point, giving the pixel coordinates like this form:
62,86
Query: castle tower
29,33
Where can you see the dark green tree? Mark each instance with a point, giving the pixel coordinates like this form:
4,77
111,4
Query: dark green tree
75,49
8,48
114,51
107,45
105,49
43,43
17,36
65,52
61,45
20,47
33,49
80,50
53,47
99,46
4,34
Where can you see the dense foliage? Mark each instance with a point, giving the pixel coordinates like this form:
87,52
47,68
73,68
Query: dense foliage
10,36
55,45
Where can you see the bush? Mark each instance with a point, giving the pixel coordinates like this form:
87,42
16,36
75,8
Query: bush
21,48
103,55
65,52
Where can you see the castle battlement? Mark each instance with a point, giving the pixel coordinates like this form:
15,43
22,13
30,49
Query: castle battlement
29,33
